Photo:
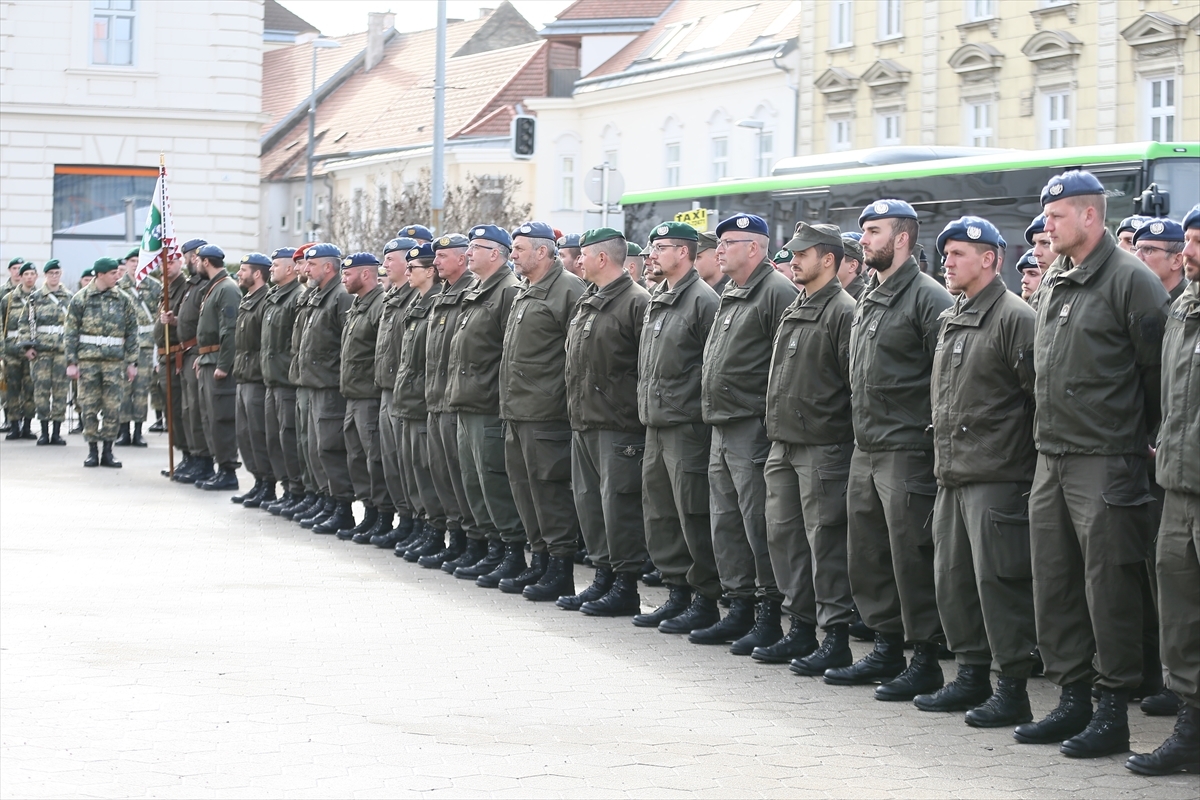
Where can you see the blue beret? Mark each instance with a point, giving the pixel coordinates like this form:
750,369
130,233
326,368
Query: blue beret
400,243
283,252
256,260
1159,230
192,244
415,232
492,233
1037,226
323,250
360,260
855,235
1027,261
1071,183
970,229
210,251
747,223
420,251
887,209
450,241
1192,219
569,240
534,230
1132,223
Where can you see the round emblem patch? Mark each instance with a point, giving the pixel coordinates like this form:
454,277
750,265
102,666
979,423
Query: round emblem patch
312,253
347,262
479,231
662,230
526,229
1157,227
743,222
1056,189
416,251
411,231
445,240
974,232
880,207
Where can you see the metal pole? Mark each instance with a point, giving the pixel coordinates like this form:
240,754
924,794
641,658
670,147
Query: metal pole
437,189
308,162
168,363
604,195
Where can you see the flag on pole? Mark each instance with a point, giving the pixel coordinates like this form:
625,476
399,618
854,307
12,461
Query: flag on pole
158,241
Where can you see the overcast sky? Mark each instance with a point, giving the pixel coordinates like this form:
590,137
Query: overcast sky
350,16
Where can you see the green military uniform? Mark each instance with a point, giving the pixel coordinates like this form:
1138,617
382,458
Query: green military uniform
387,358
320,370
187,317
171,363
17,373
251,396
1098,356
857,286
279,403
147,299
101,338
609,439
313,479
675,468
737,358
360,425
982,402
215,331
409,407
533,404
43,324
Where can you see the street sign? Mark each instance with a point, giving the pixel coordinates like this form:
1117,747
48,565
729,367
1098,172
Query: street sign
593,185
697,218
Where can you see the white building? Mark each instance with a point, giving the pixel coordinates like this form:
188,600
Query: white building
92,92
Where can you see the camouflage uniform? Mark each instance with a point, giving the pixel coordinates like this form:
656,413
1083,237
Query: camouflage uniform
43,323
146,298
18,395
102,339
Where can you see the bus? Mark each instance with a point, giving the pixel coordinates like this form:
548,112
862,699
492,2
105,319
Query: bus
1002,186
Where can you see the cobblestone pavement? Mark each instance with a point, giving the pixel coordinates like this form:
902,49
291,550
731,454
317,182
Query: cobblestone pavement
159,642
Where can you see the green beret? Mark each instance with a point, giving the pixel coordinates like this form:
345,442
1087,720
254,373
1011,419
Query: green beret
598,235
812,235
14,261
103,265
88,273
28,266
708,241
132,253
674,230
51,264
633,249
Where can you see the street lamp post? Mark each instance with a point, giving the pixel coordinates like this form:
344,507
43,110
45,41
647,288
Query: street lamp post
317,44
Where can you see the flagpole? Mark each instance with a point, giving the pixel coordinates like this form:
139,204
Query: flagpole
169,362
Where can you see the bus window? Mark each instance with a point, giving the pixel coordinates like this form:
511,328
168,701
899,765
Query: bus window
1179,177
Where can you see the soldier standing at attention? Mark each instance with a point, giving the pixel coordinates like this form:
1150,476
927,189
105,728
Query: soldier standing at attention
214,367
187,316
147,299
568,251
675,468
890,542
19,380
851,273
533,404
1159,244
706,262
1031,275
983,458
102,353
608,437
737,359
316,488
251,397
171,361
42,327
1098,355
1125,231
275,359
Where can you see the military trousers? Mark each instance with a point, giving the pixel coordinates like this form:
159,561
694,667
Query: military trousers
328,453
390,439
737,505
675,506
193,424
304,447
136,397
49,374
447,473
364,457
279,418
424,500
1178,568
251,424
158,400
481,454
18,392
218,410
889,529
806,529
606,478
100,387
174,419
537,457
983,575
1088,539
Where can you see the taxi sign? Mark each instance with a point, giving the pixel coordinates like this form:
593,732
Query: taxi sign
697,218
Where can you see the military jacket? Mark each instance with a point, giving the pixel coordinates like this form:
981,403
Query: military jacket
1177,463
477,344
176,291
391,330
147,299
444,312
602,357
1178,291
321,339
408,393
671,351
299,322
982,390
737,355
808,388
247,339
218,322
857,286
275,344
43,323
359,332
12,308
892,339
1098,354
532,384
187,317
101,326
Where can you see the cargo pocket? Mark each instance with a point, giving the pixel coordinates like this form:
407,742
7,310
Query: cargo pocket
493,449
919,497
553,452
694,487
1010,543
626,464
1127,511
225,399
831,494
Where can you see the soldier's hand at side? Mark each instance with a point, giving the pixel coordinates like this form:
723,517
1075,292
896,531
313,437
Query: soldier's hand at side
167,318
73,371
131,371
31,354
1153,451
220,374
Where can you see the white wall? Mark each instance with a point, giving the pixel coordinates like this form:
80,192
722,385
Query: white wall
595,50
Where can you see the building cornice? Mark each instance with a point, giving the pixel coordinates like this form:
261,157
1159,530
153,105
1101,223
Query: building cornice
598,27
762,52
172,114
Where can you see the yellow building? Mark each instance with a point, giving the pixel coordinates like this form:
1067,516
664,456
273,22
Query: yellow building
1028,74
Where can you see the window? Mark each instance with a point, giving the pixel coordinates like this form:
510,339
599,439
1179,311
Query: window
766,153
299,214
720,158
841,23
671,160
112,32
720,27
610,156
319,212
887,130
782,21
979,125
841,134
1058,118
1162,109
667,40
567,172
891,20
980,10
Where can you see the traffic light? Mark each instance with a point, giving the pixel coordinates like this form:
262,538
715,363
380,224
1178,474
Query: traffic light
524,128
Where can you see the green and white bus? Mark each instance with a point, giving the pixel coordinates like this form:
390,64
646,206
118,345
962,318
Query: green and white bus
1003,186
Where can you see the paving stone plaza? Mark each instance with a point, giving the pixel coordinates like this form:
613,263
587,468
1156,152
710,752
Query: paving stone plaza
157,641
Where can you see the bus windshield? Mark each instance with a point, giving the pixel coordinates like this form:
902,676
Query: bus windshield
1179,177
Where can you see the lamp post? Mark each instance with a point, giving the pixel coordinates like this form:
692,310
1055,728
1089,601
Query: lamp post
757,126
317,44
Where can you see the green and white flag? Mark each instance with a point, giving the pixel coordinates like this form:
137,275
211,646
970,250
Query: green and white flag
158,240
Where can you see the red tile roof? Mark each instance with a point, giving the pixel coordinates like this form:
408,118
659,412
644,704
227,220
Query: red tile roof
287,73
614,9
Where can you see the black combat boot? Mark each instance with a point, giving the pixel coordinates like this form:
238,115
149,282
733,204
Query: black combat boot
158,426
1009,705
599,587
557,581
495,555
431,542
277,505
415,536
701,613
93,456
319,512
123,437
512,564
801,640
767,630
26,430
393,536
299,504
621,599
455,547
531,574
923,676
883,663
183,463
475,550
971,687
653,577
224,481
106,456
382,525
45,437
1179,753
859,629
265,496
1163,704
14,430
1107,733
56,434
253,490
833,653
370,517
341,519
678,600
184,469
1070,718
204,471
136,440
736,624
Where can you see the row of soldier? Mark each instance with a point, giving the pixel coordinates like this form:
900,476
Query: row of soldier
959,466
